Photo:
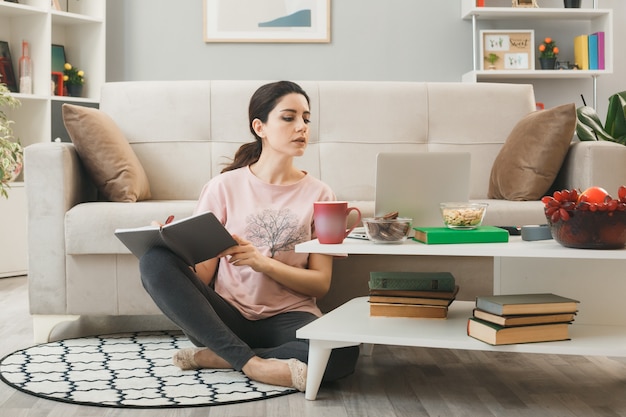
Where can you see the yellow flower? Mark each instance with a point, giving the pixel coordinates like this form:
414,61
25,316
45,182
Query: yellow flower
67,66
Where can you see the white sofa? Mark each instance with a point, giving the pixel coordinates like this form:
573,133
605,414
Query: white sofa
183,131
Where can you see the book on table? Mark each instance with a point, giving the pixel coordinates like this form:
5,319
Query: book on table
443,235
499,335
524,320
380,296
194,239
446,295
408,310
411,281
526,304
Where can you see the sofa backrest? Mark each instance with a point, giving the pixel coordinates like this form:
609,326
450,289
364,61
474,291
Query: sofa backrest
185,131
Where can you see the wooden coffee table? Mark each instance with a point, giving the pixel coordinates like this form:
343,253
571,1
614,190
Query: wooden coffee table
592,333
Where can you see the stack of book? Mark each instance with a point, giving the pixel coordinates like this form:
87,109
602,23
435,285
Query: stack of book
522,318
411,294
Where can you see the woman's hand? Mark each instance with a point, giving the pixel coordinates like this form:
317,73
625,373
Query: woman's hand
245,253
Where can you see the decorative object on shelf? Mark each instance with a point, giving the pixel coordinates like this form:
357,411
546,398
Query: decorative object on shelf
26,70
514,49
548,52
7,76
267,21
588,220
492,58
57,83
55,5
571,4
589,127
524,3
73,80
480,3
11,152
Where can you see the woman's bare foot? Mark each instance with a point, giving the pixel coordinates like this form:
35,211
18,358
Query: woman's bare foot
282,372
198,358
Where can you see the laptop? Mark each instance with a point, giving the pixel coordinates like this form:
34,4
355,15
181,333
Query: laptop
413,184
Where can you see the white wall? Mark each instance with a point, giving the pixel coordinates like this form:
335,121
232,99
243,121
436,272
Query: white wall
406,40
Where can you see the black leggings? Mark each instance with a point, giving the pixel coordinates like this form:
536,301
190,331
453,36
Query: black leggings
208,320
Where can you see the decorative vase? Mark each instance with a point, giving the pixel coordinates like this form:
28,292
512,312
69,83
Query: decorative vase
74,90
571,4
547,63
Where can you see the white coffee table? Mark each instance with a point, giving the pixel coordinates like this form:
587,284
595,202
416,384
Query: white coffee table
351,324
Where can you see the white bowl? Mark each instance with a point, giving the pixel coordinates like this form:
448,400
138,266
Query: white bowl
463,215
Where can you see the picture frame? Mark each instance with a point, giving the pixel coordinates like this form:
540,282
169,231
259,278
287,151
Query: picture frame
7,74
57,78
524,3
269,21
513,49
58,58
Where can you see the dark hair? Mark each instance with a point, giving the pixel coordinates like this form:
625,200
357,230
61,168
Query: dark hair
262,103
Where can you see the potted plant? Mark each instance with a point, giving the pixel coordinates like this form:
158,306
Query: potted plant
547,54
492,59
73,80
11,152
589,126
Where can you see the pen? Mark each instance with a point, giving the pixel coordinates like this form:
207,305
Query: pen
169,219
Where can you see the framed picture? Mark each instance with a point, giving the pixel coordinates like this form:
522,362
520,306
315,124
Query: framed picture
507,49
304,21
58,58
57,83
7,75
525,3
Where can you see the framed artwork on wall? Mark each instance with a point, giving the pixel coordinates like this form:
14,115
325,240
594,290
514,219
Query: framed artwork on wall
507,49
270,21
7,75
524,3
58,58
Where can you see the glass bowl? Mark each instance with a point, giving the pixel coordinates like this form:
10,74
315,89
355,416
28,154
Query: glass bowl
463,215
381,230
591,230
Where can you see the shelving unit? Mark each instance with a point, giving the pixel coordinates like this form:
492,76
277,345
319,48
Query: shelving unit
585,21
80,27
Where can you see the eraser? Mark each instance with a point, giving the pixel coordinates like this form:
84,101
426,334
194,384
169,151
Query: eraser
536,232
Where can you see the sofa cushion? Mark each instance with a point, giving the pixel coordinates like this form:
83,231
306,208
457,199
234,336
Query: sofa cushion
108,157
532,155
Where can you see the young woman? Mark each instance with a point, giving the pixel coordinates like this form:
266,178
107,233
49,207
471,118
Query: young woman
242,309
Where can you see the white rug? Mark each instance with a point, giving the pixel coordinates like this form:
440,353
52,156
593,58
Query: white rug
126,370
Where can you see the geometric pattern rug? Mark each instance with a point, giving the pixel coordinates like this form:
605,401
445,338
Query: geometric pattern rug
129,370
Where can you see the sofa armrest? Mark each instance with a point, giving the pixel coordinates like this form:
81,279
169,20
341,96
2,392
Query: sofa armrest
597,163
55,181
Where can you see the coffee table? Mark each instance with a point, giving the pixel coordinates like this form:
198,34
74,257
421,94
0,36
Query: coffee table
519,266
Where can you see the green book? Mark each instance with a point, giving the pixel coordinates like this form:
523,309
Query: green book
412,281
482,234
524,304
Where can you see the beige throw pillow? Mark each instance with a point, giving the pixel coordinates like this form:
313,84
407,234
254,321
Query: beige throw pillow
532,155
106,154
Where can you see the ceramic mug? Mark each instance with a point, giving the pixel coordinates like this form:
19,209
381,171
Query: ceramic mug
331,220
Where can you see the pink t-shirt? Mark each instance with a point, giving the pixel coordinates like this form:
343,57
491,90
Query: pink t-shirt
274,218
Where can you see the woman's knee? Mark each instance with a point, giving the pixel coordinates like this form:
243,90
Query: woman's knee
154,263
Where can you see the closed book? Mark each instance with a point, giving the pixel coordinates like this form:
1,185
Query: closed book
194,239
408,310
410,300
498,335
422,281
601,50
593,51
447,295
581,52
439,235
517,320
525,304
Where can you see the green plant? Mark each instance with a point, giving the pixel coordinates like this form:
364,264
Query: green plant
11,151
589,127
492,58
548,49
72,75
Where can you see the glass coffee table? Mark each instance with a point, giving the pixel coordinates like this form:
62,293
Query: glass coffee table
553,269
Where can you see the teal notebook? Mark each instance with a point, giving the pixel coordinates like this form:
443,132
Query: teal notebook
411,281
482,234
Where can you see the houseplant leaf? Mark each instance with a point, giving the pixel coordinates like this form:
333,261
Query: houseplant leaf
588,125
616,115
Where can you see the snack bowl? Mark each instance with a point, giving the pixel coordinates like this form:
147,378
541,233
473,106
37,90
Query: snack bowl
463,215
591,229
386,230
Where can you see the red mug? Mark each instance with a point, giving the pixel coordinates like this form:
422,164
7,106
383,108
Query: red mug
331,220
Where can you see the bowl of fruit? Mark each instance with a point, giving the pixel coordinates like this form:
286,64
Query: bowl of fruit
591,219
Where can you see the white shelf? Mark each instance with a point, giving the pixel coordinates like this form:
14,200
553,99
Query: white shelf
351,323
542,13
486,75
515,248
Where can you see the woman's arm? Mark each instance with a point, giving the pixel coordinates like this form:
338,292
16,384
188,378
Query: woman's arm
206,270
314,281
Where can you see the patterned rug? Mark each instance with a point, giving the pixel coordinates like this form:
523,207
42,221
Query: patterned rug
131,370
